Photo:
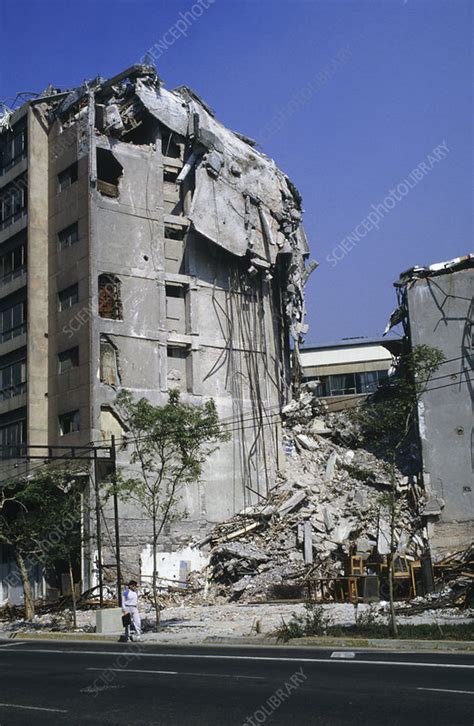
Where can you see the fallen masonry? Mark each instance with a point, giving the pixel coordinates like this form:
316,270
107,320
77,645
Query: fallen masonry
323,531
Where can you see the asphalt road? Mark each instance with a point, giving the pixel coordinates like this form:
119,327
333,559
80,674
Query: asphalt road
96,683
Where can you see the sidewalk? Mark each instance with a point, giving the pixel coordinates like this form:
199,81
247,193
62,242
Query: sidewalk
458,646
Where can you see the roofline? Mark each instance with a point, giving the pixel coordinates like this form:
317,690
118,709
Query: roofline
349,343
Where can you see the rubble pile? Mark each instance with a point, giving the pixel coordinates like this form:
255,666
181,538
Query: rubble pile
325,505
454,576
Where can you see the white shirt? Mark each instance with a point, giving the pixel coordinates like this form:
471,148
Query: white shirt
130,599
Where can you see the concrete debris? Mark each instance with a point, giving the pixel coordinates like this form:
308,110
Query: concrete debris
325,506
330,467
433,507
306,442
320,427
292,503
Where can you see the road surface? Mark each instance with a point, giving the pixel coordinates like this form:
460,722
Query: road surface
102,683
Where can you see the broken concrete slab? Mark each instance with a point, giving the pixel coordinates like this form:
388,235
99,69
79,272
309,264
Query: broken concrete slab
330,467
307,442
320,427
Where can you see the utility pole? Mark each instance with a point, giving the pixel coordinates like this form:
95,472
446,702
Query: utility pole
98,530
83,453
116,520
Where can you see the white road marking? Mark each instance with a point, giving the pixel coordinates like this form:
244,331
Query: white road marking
342,654
99,689
283,659
33,708
178,673
445,690
11,645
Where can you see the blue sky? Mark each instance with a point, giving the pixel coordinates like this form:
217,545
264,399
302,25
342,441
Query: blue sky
349,97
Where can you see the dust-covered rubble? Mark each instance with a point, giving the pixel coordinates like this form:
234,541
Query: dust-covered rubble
325,505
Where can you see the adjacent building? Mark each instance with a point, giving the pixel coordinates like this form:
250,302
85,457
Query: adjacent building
144,245
347,371
436,306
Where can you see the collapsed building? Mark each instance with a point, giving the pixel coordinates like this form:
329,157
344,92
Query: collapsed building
324,531
145,246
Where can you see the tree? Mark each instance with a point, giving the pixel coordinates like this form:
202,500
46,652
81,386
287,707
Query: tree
388,417
169,444
40,519
387,423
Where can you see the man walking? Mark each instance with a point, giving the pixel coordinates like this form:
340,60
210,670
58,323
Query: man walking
130,606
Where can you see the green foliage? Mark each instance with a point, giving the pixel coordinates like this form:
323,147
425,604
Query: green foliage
314,621
370,624
170,444
32,509
389,415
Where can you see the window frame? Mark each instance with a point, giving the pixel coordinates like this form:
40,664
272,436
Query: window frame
61,306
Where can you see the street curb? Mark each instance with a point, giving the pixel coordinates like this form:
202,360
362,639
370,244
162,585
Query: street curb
65,636
460,646
389,644
466,646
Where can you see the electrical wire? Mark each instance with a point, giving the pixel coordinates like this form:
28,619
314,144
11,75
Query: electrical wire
274,418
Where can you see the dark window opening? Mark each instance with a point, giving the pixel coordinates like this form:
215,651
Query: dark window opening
175,290
177,351
145,131
13,146
176,233
170,175
69,422
13,439
12,321
13,201
68,297
110,301
68,235
13,379
13,259
169,147
109,171
67,177
68,359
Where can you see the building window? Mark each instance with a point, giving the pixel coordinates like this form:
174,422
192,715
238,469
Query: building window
13,439
169,145
13,146
176,307
13,321
69,422
369,382
109,171
174,248
68,359
13,379
110,302
68,297
67,177
68,235
347,384
13,260
178,375
13,201
109,368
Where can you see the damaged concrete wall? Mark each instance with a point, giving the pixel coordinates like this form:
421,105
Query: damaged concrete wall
189,261
440,311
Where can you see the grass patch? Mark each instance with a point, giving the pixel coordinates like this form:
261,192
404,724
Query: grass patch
316,621
431,631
